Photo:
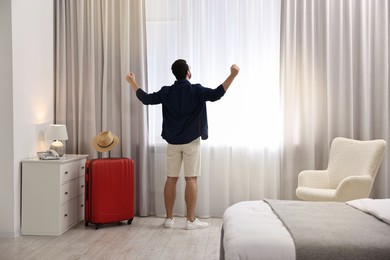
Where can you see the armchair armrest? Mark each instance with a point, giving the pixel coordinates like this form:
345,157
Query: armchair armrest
314,179
354,187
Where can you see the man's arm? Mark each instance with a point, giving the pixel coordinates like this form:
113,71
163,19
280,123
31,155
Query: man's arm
130,77
146,99
234,69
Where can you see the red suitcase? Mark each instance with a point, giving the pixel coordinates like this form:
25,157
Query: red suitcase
109,191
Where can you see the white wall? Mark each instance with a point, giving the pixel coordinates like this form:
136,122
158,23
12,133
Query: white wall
28,104
6,119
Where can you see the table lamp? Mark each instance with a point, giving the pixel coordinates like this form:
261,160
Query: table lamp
57,133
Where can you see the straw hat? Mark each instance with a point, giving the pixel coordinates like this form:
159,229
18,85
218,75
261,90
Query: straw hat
105,141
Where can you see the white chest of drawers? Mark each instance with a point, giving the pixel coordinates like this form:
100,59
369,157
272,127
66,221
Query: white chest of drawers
52,194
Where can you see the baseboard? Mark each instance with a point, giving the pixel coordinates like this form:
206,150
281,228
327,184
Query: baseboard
10,234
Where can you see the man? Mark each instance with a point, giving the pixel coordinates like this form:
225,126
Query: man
184,123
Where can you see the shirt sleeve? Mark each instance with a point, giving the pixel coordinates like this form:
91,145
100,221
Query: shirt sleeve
148,99
209,94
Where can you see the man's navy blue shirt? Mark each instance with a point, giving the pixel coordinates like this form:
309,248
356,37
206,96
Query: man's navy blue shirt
184,109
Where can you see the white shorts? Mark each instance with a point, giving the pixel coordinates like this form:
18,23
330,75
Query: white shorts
186,154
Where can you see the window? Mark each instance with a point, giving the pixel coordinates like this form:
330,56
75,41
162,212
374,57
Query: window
211,36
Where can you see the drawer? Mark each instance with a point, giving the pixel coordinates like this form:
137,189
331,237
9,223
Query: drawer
81,167
72,170
69,214
69,190
69,171
81,185
81,207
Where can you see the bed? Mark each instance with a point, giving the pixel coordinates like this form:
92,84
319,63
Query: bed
283,229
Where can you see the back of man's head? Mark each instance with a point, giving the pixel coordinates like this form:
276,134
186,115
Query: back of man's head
179,69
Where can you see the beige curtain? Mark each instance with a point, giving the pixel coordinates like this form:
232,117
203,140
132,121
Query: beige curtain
334,81
97,43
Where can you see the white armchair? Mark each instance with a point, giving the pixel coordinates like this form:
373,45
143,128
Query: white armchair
351,172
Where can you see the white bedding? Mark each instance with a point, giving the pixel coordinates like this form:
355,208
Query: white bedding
253,231
379,208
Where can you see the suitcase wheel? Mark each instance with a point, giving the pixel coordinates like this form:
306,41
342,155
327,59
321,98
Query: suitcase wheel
129,221
86,223
97,226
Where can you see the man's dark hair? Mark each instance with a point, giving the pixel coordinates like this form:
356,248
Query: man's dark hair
179,69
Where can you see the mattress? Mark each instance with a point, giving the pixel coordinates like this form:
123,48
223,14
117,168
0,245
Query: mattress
274,229
251,230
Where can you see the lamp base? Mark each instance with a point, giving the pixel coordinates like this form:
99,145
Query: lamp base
58,147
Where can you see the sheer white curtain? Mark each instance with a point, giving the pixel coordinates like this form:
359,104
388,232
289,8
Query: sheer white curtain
335,82
241,158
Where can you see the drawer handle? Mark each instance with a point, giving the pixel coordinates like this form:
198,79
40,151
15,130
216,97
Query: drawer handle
82,205
65,215
82,186
66,172
82,167
66,193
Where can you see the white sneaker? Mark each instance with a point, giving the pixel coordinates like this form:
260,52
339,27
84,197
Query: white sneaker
197,224
169,223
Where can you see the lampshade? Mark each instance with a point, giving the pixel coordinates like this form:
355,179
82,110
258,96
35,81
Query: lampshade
57,133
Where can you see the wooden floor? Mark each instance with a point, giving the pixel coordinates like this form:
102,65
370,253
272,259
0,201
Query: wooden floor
145,238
